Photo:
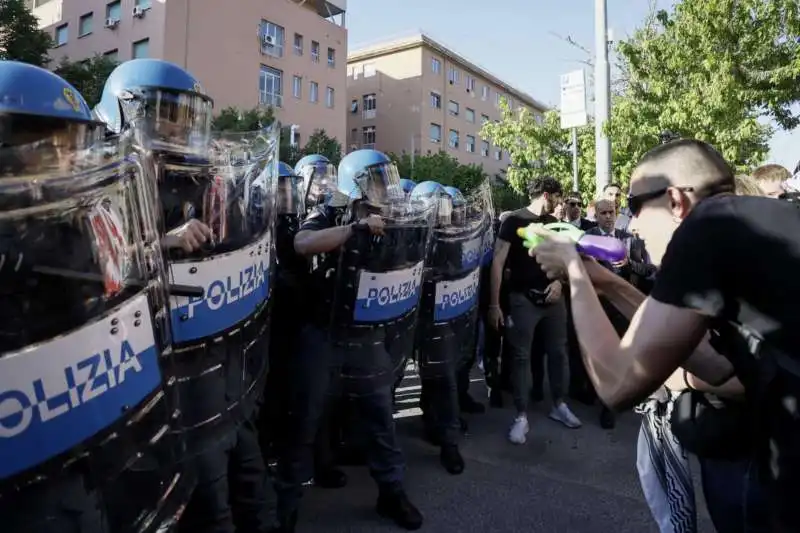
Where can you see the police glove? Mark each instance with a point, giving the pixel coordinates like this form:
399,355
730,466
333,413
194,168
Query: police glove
374,223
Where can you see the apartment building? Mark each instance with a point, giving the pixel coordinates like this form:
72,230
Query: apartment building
288,54
417,96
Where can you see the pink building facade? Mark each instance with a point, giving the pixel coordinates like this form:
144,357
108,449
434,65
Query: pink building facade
287,54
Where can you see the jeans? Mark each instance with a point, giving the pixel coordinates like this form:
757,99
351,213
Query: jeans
522,320
734,496
230,494
315,377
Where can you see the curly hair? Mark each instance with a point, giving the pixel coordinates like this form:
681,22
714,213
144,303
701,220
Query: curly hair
544,184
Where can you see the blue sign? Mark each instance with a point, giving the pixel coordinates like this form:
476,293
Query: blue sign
234,286
454,298
62,393
382,296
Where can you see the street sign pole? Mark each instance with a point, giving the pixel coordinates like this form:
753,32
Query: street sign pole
573,113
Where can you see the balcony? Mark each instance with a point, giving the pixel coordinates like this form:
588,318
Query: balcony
332,10
368,114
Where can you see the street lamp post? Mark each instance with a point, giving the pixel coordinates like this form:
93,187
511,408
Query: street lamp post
602,91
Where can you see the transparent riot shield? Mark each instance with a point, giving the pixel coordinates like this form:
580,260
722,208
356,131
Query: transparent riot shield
447,330
378,287
84,347
220,336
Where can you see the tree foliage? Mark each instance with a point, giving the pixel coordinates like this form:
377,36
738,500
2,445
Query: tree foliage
235,119
20,36
542,148
709,69
88,76
440,167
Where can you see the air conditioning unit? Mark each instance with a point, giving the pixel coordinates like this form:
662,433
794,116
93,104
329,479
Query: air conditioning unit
112,23
269,40
138,12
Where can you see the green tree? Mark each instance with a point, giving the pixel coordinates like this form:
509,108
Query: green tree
505,198
541,147
708,70
320,143
88,76
235,119
440,167
20,36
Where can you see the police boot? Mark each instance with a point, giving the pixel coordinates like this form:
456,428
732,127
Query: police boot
286,526
395,504
451,459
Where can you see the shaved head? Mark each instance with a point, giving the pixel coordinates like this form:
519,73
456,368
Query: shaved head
683,163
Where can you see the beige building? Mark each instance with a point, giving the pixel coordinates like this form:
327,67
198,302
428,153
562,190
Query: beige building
288,54
416,96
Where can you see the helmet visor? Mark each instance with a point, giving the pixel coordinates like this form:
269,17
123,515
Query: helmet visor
289,199
320,181
380,184
30,145
171,121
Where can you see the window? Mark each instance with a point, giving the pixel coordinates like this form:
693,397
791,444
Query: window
143,4
452,108
313,92
470,84
453,139
370,106
141,49
453,75
369,136
114,11
272,39
436,100
485,148
484,93
498,154
436,133
62,32
369,70
484,119
471,144
538,118
497,99
85,24
470,115
331,57
113,55
329,97
436,66
315,51
297,86
270,87
298,44
354,135
354,106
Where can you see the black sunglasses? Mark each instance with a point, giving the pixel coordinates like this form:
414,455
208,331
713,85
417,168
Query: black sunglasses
637,201
573,203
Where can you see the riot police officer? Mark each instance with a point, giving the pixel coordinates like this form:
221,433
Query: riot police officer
407,185
355,337
215,206
83,344
319,179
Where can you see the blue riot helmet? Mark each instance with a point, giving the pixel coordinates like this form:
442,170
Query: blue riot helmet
319,178
431,192
173,111
42,119
370,176
290,199
407,185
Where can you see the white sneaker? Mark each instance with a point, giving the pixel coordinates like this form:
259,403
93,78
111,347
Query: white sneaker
519,430
561,413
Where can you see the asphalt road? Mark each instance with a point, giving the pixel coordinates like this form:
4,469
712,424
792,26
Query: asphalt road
561,480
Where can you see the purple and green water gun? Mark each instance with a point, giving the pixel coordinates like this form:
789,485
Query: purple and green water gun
601,248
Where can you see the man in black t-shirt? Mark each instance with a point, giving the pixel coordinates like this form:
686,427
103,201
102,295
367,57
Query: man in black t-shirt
727,263
533,299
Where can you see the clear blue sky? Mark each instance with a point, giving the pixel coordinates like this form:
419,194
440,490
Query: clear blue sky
513,39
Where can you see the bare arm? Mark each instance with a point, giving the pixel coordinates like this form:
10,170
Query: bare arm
309,242
501,248
659,339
